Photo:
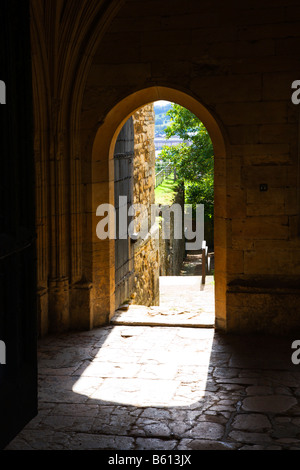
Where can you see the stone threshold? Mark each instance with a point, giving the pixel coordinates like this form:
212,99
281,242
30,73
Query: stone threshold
140,315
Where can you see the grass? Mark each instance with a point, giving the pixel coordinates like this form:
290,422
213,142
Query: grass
166,192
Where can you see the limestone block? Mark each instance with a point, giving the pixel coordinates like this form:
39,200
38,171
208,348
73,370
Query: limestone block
277,133
235,261
42,311
80,306
219,88
241,135
261,228
272,196
252,112
58,308
268,261
264,311
275,176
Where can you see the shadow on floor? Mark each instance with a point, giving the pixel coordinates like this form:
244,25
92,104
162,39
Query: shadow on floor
156,388
145,387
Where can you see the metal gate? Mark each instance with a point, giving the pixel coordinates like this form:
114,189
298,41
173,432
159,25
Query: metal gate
123,164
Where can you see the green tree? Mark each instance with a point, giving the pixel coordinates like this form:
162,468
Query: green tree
193,158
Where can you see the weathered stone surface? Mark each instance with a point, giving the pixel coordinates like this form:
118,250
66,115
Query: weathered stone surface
206,430
199,408
259,390
169,54
146,252
247,437
269,403
100,442
251,422
155,444
202,444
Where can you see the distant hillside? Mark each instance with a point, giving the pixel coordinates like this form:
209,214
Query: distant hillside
161,118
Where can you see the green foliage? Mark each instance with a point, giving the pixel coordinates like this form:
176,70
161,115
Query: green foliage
202,192
193,158
159,165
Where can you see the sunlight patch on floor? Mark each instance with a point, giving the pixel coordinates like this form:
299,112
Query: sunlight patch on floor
136,366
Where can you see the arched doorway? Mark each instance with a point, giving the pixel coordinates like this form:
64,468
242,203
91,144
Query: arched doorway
102,192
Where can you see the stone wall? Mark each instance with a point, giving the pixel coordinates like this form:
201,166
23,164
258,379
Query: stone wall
238,60
146,258
153,255
232,64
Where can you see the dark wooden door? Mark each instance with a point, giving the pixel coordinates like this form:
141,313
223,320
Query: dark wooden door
123,163
18,368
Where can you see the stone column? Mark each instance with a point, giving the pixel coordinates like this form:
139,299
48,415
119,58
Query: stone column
59,235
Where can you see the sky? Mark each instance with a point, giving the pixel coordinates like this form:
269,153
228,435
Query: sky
161,102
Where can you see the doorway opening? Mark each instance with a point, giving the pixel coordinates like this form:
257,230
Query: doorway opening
104,192
164,265
185,174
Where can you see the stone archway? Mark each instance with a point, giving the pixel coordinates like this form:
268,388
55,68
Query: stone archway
92,67
101,191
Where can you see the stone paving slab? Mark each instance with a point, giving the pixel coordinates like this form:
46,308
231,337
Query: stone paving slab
184,302
164,388
159,316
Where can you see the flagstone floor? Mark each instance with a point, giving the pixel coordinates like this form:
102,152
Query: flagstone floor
148,386
184,301
162,388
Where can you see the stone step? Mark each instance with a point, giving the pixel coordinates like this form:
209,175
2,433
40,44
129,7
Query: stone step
141,315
